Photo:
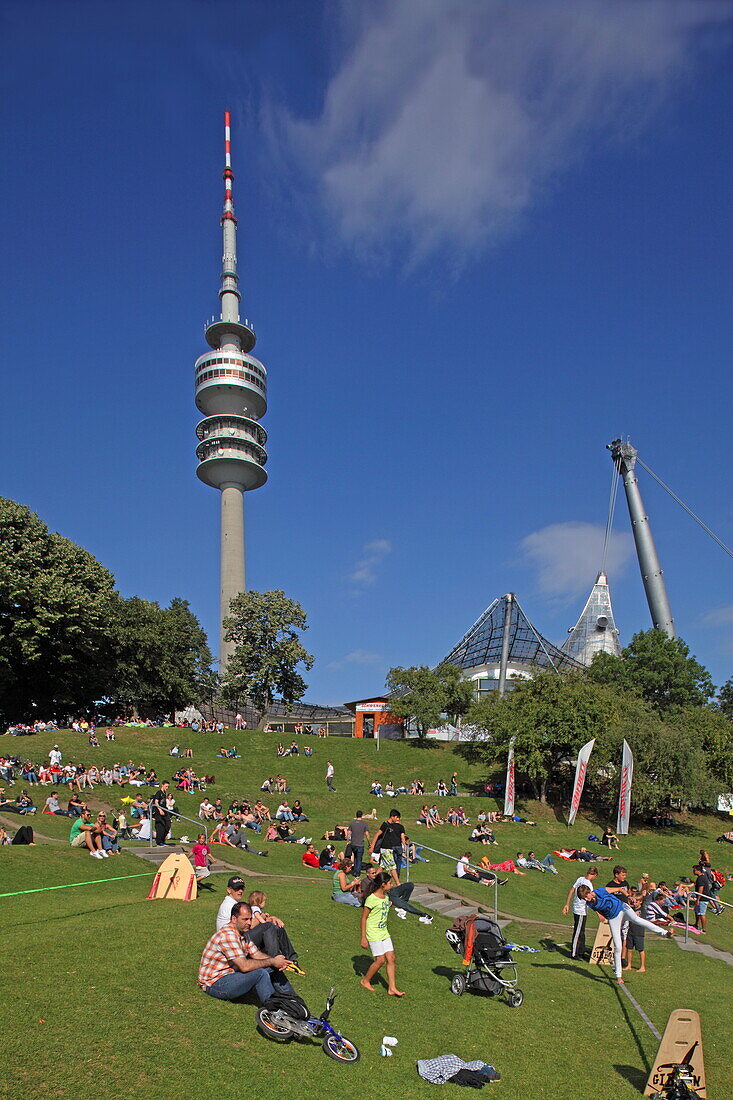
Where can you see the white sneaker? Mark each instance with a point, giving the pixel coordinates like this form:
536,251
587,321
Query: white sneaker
425,919
401,914
97,854
104,854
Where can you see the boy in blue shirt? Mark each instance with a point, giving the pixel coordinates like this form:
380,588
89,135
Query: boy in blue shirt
607,904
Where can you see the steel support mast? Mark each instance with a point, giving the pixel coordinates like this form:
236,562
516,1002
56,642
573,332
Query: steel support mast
624,457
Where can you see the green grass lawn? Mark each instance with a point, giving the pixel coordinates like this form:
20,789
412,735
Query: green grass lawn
98,989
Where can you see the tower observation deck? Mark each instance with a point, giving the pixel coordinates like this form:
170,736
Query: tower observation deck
231,393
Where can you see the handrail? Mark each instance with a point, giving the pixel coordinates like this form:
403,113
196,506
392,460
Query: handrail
707,897
471,867
174,813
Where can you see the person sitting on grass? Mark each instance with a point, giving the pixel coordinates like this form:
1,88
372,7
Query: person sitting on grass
108,833
52,805
86,835
426,818
269,932
482,834
327,858
609,838
231,965
299,813
343,890
310,857
235,836
464,871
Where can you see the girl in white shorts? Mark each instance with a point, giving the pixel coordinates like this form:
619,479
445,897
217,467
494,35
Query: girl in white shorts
374,933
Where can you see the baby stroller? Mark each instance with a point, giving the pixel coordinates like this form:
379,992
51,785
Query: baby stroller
491,968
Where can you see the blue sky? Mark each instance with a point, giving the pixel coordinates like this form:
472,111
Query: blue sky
478,241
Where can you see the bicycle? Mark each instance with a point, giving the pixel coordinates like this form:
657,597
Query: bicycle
281,1027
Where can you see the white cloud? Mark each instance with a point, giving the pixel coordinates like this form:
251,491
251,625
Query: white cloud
364,572
567,556
358,657
719,616
444,119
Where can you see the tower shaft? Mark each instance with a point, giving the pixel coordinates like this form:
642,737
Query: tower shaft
624,455
232,559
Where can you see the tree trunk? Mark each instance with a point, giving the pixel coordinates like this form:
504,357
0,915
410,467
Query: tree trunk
543,791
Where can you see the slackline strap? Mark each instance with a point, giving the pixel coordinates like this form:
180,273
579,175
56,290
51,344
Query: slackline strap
93,882
641,1012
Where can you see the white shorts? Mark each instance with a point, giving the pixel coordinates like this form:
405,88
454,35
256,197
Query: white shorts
380,947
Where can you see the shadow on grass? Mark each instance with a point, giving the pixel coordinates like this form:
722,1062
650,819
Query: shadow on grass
361,964
635,1077
625,1006
573,970
445,971
423,743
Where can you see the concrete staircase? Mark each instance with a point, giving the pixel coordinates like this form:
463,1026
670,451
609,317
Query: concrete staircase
449,904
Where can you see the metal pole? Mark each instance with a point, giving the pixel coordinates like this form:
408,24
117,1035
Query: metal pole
508,605
624,455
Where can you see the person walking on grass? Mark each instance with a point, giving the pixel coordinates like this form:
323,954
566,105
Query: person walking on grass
615,910
329,776
374,935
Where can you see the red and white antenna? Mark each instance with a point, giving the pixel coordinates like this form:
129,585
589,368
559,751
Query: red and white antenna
228,173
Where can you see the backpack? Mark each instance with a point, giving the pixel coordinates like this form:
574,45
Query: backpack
289,1003
719,877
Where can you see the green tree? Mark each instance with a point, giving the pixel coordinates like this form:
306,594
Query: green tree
724,701
264,665
161,656
547,718
56,620
657,668
426,695
713,732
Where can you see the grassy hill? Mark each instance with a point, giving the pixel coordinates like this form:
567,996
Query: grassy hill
98,985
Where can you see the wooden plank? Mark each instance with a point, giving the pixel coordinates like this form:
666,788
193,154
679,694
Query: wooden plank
602,953
681,1042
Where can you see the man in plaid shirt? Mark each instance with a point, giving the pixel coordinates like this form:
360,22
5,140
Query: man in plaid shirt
231,965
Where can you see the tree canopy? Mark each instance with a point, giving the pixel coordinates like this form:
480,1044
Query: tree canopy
657,668
68,640
264,666
56,619
426,695
162,658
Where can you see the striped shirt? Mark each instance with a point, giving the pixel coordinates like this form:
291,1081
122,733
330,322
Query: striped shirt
225,945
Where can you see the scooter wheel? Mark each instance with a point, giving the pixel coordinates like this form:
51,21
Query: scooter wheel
516,998
340,1049
458,984
272,1028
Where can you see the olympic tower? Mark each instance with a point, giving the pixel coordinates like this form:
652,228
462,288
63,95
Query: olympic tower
231,393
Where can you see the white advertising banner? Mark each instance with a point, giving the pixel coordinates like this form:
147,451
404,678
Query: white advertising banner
580,770
509,786
624,794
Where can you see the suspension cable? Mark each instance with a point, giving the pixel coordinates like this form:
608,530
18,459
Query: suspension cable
689,511
611,511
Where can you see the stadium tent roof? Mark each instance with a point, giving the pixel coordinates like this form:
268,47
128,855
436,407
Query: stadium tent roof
481,645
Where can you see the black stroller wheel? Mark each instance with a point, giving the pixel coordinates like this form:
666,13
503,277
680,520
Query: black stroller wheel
458,984
515,998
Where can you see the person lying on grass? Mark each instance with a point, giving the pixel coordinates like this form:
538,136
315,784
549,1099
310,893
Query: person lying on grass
531,862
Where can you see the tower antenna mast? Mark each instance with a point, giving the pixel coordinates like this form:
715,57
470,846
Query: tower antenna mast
231,392
624,457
